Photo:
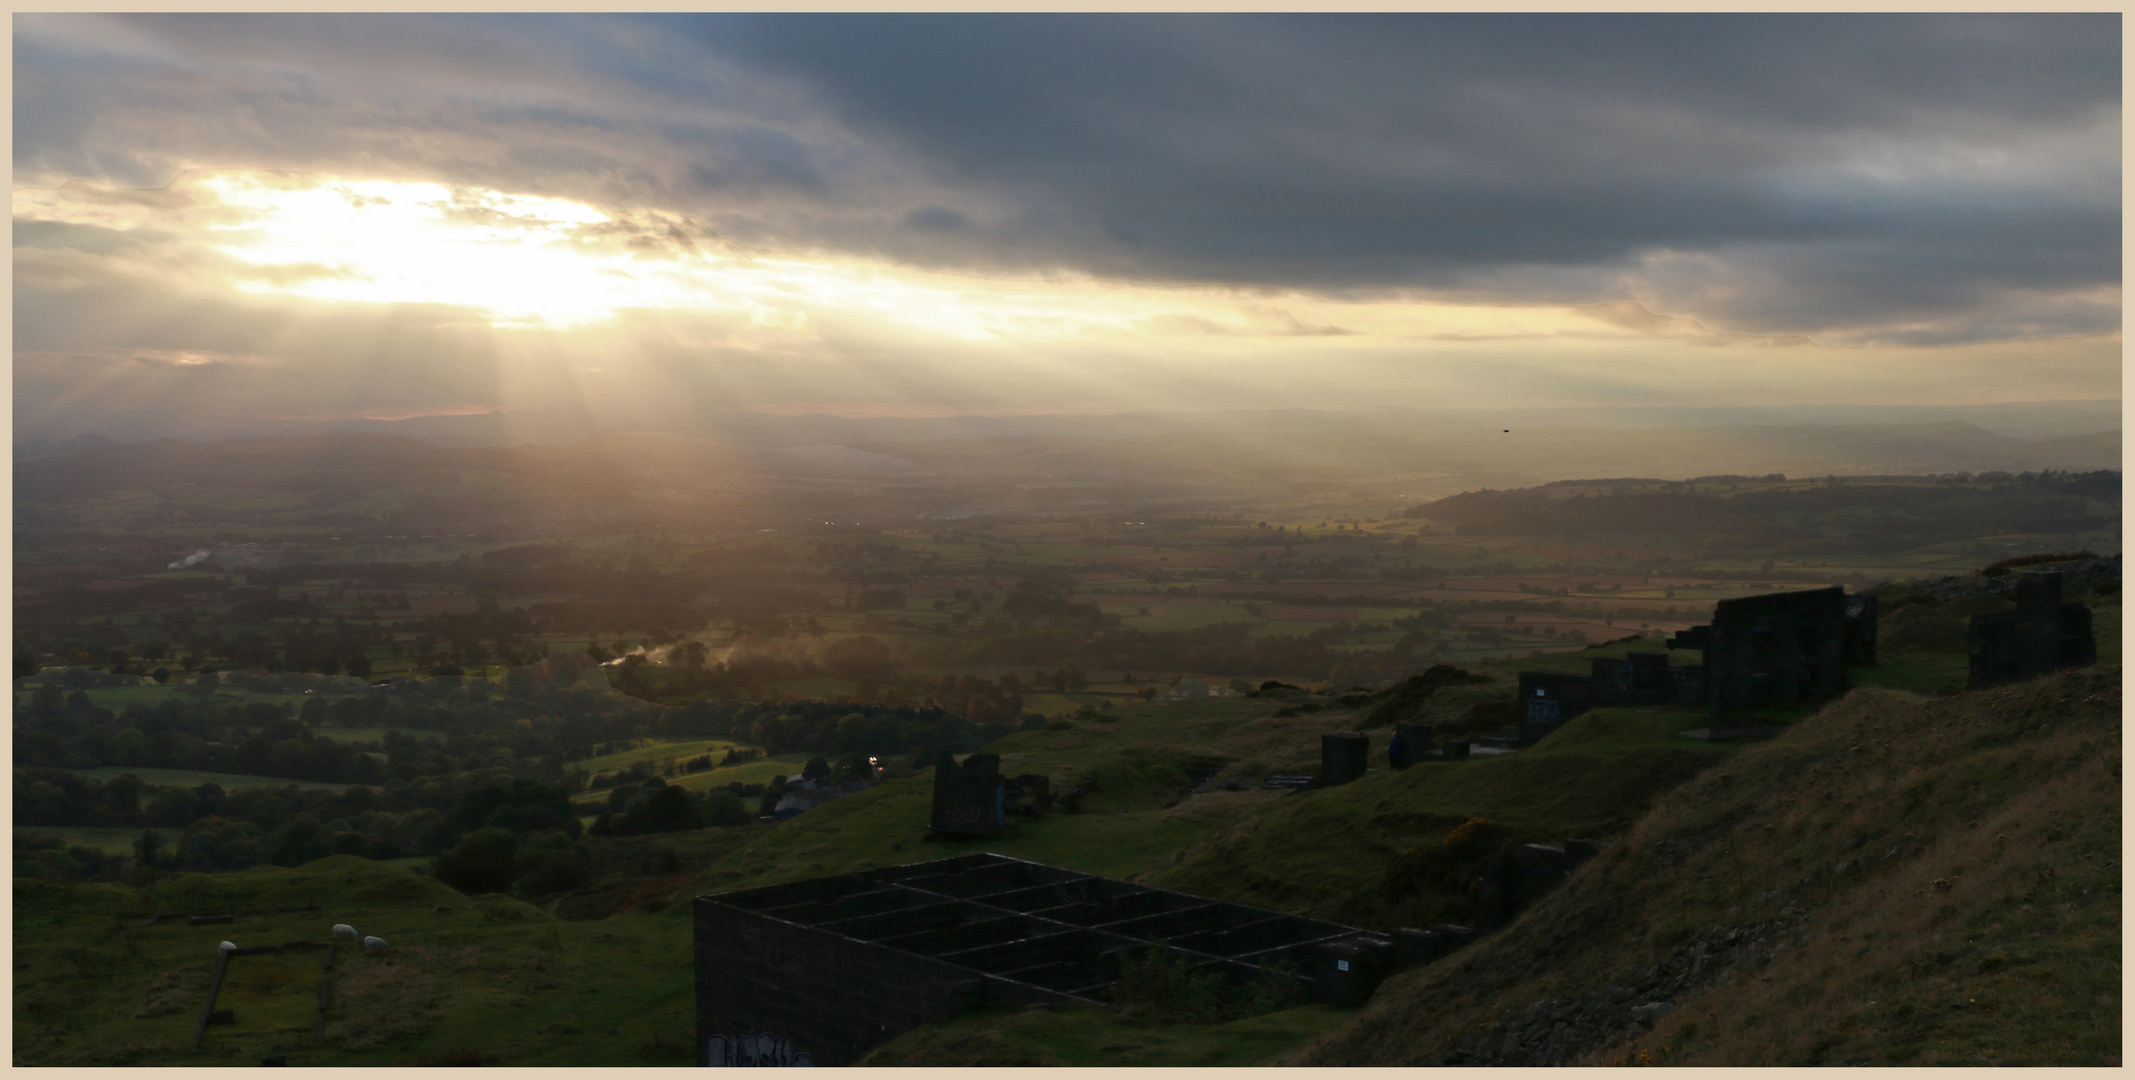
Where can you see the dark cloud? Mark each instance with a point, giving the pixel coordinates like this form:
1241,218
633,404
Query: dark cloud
1901,178
1460,151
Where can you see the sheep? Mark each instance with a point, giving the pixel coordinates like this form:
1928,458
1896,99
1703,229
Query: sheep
373,944
344,930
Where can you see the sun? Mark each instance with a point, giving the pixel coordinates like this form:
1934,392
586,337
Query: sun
535,263
522,260
538,262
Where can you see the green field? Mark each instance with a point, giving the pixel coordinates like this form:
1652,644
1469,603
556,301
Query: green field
370,734
117,841
1173,614
118,697
654,751
466,981
194,778
759,771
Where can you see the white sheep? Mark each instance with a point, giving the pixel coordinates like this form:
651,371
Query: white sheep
344,930
373,944
227,946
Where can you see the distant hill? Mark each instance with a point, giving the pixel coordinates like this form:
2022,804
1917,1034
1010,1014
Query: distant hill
1801,517
369,474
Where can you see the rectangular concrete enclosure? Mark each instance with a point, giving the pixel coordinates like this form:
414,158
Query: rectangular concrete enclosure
2041,635
1781,649
840,965
1344,757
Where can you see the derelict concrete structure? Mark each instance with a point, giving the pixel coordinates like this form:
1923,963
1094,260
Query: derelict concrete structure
840,965
969,799
1781,649
2041,635
1344,757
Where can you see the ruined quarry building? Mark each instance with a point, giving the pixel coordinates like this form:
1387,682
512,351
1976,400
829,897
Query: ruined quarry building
2041,635
970,800
1781,649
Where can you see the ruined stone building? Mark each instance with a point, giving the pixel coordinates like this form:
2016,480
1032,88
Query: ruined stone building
971,799
974,799
1549,698
2041,635
1781,649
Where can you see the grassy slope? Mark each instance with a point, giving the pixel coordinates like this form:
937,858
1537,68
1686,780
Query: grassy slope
534,990
489,974
1324,853
2009,799
1594,777
1092,1036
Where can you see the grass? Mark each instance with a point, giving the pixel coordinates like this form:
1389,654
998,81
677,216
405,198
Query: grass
1948,869
759,771
654,751
96,984
2013,963
1322,853
1922,672
1326,853
1087,1036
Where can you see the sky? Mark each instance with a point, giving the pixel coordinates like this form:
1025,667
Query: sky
222,220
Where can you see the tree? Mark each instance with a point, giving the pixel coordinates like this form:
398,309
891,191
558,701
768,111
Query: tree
174,807
148,849
297,842
359,665
661,809
550,862
724,808
484,861
854,766
815,769
521,806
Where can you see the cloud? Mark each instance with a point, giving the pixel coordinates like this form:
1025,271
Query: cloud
1008,213
1903,178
